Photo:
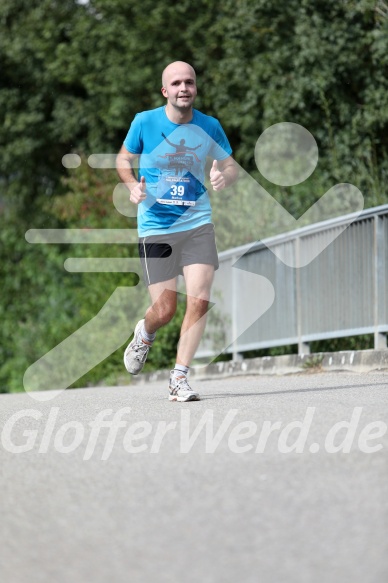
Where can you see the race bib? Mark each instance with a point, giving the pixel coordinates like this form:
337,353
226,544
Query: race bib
177,190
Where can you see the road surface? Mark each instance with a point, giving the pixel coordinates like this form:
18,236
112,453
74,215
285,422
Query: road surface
266,479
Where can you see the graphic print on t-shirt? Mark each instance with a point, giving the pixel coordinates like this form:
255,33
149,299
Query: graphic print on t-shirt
176,184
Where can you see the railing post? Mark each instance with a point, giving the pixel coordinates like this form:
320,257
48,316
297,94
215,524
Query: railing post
380,339
236,355
303,347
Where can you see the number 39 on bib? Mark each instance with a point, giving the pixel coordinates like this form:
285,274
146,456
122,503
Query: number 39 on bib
177,190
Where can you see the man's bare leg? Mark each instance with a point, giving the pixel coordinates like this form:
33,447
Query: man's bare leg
198,280
163,297
163,307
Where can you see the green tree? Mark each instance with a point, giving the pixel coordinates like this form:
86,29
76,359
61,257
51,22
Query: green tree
73,77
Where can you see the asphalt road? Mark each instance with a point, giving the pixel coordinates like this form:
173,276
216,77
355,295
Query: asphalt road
217,491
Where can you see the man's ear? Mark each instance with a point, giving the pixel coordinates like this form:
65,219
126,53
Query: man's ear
164,92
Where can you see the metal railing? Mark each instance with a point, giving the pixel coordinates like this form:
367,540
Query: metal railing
342,292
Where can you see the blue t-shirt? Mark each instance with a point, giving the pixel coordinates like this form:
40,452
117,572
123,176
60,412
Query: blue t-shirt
172,161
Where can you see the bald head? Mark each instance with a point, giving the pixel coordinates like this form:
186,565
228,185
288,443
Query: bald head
180,90
178,68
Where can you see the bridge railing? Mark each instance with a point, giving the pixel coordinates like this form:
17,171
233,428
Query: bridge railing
342,292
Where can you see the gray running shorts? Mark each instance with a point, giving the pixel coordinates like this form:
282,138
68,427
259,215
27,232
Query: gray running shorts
164,256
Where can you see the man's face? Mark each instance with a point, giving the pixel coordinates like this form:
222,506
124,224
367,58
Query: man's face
179,87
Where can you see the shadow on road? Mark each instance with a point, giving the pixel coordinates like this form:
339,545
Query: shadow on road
286,392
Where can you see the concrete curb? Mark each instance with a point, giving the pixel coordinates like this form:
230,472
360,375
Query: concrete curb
361,361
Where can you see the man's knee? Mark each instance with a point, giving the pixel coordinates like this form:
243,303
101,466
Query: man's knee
165,309
197,305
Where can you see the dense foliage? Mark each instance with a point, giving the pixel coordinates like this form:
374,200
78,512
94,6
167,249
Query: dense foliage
73,75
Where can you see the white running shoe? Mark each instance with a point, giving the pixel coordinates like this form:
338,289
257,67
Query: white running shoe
180,389
136,352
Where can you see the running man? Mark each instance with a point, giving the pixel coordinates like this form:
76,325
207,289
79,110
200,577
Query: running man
176,235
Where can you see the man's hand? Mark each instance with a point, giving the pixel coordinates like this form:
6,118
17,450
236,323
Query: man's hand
138,193
217,179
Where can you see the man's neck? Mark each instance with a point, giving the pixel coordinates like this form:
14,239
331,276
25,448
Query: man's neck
177,115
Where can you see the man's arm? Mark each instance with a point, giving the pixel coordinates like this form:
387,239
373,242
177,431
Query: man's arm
125,163
223,173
